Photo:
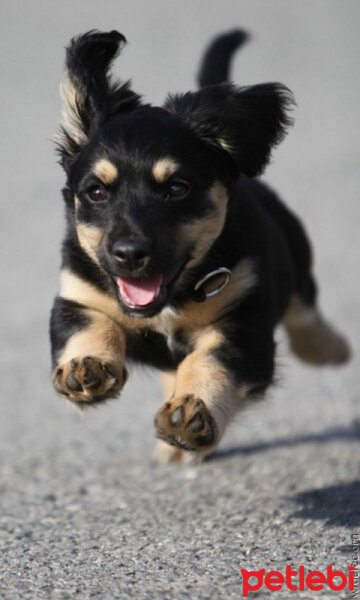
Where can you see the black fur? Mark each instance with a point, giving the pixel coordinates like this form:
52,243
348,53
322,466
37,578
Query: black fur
221,133
250,121
67,318
88,59
215,65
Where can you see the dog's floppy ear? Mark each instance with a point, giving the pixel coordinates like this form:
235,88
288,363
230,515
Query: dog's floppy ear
89,96
245,122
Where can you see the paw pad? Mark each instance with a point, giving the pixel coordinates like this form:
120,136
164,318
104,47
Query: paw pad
88,380
186,423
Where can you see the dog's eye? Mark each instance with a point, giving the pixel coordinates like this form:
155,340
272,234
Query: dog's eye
178,190
97,193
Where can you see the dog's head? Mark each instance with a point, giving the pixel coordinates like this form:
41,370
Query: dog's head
147,186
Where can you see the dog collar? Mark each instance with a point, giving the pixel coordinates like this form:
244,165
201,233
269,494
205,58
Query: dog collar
200,294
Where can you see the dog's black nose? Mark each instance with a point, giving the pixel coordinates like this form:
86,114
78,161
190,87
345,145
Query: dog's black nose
132,255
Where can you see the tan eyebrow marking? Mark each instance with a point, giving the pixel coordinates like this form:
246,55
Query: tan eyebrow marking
163,168
106,171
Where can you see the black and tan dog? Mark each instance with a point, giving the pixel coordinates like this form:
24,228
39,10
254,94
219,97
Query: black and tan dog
174,255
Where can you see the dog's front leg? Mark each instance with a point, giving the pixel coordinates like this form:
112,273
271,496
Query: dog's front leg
88,350
227,367
205,398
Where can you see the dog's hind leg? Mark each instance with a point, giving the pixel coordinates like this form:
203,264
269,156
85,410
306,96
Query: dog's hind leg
311,337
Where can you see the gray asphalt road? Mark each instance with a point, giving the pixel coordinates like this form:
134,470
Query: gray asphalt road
84,510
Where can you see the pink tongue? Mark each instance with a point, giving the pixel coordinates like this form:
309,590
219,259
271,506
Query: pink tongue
139,292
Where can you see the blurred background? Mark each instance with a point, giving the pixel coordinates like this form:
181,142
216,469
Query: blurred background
65,479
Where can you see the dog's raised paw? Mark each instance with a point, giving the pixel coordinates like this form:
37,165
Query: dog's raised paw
185,422
88,380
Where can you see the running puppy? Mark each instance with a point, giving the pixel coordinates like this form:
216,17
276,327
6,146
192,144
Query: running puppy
175,255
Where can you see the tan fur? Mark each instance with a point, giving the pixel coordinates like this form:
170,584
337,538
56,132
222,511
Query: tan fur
199,370
203,376
196,315
225,145
200,374
311,338
164,168
205,391
102,339
206,339
168,381
106,171
98,352
89,238
205,231
164,453
72,99
74,288
192,316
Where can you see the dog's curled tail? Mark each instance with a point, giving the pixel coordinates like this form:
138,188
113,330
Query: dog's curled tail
215,63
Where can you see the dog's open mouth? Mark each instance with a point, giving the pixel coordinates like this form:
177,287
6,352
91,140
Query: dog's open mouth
139,293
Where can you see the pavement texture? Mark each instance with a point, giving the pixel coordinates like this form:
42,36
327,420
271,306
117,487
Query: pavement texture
85,512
